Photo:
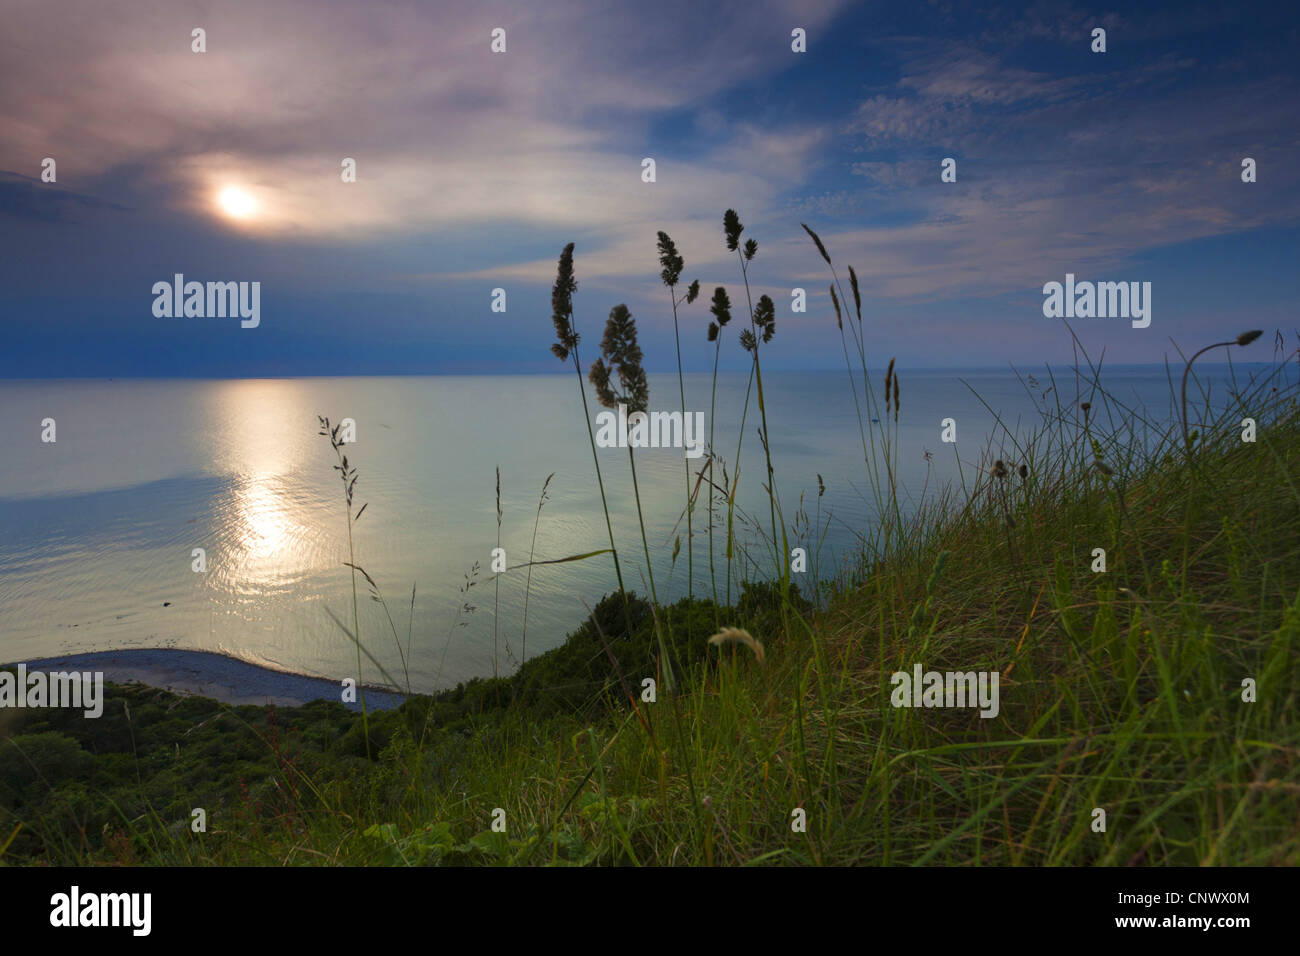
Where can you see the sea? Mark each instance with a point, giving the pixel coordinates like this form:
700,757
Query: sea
209,515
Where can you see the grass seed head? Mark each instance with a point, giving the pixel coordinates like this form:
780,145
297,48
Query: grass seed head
740,636
672,263
620,354
818,241
721,308
562,306
732,229
765,317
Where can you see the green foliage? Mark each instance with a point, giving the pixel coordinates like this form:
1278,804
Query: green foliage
31,762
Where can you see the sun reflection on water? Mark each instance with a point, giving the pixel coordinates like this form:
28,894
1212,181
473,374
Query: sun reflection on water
265,524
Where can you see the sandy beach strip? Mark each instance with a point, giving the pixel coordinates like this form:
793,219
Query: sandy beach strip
215,676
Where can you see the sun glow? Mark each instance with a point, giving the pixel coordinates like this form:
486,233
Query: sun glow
266,526
236,203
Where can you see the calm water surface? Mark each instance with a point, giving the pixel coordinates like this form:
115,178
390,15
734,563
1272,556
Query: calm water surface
97,529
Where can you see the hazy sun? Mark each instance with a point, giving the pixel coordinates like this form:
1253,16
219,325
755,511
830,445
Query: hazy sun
236,203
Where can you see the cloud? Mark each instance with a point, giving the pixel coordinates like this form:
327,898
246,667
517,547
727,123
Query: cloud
443,130
23,197
1056,173
959,75
1056,169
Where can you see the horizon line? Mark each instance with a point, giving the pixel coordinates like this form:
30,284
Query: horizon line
535,374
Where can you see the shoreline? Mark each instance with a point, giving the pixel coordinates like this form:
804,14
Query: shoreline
211,675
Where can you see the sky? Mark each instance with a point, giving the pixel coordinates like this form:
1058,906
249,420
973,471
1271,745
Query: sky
474,168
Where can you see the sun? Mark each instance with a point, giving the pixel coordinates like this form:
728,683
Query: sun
236,203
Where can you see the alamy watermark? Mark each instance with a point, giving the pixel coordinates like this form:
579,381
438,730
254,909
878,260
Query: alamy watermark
923,688
57,689
1102,300
655,430
216,300
75,908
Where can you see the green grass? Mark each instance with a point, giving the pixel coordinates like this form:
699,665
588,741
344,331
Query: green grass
1120,691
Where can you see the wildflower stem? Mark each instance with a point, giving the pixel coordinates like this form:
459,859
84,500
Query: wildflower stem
600,482
1187,440
681,385
713,410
